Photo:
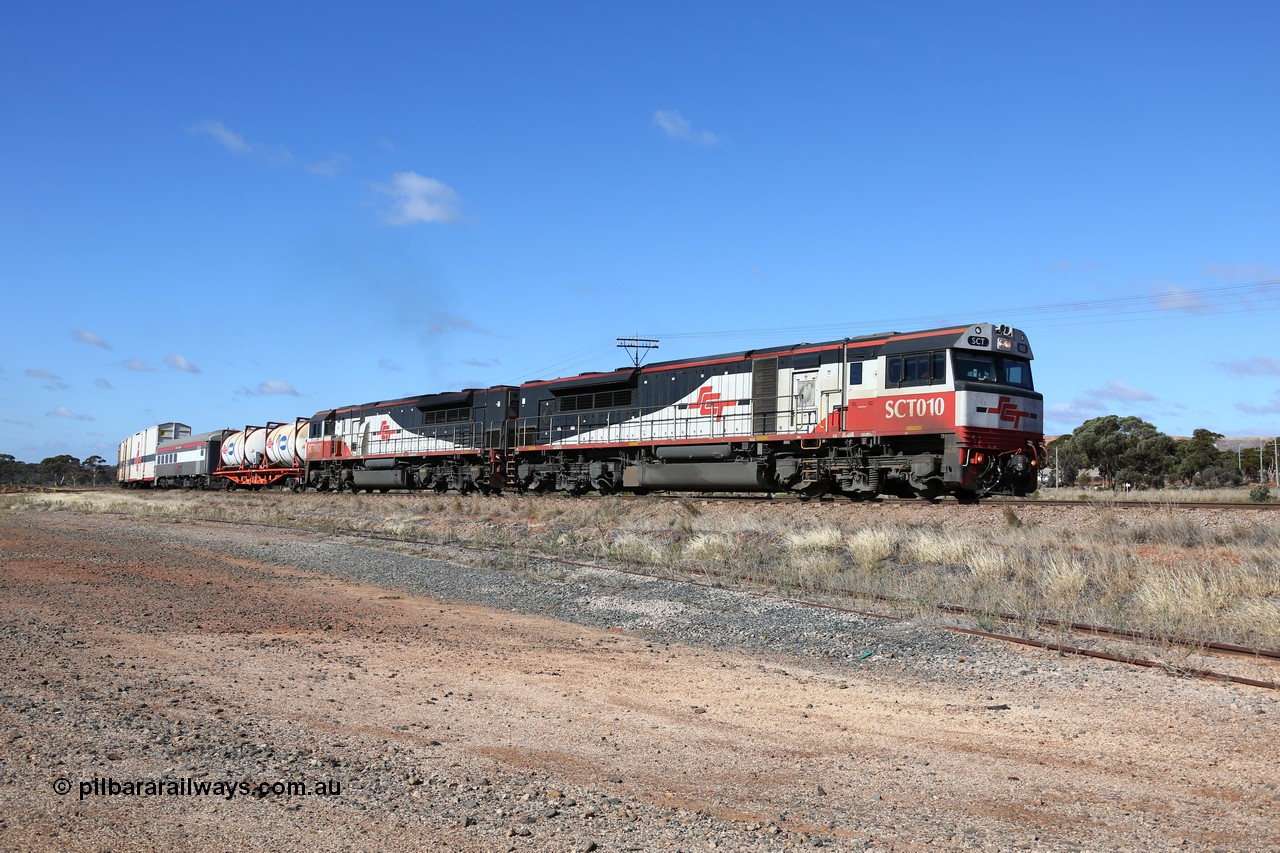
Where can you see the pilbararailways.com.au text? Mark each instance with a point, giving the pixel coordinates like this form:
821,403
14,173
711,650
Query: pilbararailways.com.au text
228,789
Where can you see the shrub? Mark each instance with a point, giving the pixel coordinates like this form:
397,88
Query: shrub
1217,477
1260,494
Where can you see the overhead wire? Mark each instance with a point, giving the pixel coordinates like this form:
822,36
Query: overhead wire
1222,299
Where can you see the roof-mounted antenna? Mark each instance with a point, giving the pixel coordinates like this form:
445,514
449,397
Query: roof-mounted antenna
637,347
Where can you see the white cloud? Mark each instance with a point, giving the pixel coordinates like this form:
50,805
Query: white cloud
1172,297
1114,389
677,126
1272,406
453,323
64,412
55,383
419,199
481,362
104,384
1077,411
139,366
178,362
275,155
85,336
327,168
1257,272
387,364
224,136
1258,365
276,386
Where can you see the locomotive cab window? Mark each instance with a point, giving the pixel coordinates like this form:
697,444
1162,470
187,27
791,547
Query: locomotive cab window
926,368
996,369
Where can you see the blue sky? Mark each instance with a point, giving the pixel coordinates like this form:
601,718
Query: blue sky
230,213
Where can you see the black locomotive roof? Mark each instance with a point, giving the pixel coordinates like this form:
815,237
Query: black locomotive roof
621,376
626,374
452,399
880,337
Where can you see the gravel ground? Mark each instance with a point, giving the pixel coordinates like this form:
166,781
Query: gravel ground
564,708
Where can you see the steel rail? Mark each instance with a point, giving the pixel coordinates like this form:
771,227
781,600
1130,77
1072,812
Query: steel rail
1051,646
1042,644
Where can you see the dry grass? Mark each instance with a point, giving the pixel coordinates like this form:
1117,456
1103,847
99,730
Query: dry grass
1158,497
1199,573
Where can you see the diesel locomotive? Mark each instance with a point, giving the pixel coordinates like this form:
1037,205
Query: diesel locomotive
949,411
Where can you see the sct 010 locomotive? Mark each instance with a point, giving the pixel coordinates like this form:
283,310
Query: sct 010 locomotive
919,414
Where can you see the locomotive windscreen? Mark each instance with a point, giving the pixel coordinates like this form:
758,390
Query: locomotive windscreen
997,369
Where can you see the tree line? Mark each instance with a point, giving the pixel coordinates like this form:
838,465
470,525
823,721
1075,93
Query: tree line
56,471
1129,452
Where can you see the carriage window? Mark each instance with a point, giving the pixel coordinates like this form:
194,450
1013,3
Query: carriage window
855,373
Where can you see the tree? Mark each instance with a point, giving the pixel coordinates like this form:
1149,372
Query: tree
1128,446
1198,454
58,468
1217,477
94,466
1065,461
1252,461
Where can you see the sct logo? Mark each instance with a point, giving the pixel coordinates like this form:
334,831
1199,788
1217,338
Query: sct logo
385,431
1008,412
709,403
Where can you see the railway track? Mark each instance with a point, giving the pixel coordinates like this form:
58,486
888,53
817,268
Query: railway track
1267,657
1108,503
1270,655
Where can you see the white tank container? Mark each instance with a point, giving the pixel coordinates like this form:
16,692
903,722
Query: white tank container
255,445
287,444
233,450
244,448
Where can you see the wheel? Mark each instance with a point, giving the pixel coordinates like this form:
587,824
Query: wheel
930,491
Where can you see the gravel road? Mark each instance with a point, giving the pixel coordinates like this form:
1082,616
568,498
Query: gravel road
551,707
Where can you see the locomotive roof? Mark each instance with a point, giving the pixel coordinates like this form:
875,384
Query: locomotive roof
625,374
424,401
874,339
889,339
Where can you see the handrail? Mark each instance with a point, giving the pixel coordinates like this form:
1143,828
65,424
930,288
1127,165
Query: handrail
610,426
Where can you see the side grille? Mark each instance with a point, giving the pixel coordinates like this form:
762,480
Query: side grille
764,395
